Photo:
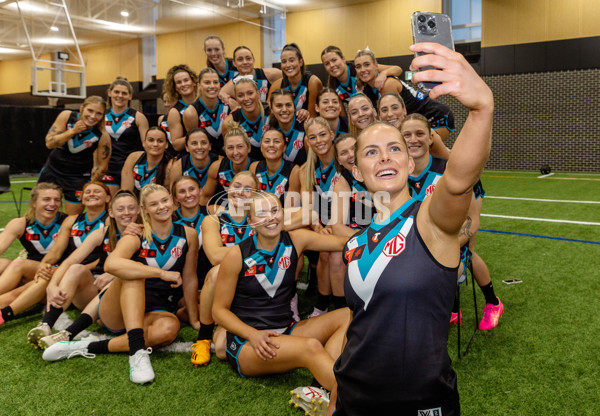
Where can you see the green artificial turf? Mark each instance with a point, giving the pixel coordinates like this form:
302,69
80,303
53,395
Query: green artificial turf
543,358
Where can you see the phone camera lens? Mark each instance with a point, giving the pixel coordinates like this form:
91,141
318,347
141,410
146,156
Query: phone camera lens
421,18
422,28
431,24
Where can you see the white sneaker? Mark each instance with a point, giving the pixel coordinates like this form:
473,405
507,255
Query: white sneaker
313,400
317,312
67,349
140,369
41,330
50,340
294,308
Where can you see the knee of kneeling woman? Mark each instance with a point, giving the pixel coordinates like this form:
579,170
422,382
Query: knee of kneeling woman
75,271
17,263
324,256
313,347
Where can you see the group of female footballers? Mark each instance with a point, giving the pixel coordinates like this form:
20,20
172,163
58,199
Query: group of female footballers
207,218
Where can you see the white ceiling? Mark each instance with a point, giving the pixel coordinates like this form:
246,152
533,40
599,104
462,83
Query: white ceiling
100,21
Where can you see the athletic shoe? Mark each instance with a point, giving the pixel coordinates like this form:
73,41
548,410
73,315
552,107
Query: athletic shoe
50,340
140,369
294,308
455,317
491,315
201,352
67,349
317,312
40,331
313,400
1,319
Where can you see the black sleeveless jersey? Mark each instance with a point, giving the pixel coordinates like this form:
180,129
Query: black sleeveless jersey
76,156
361,209
212,121
224,177
124,137
342,127
233,232
80,229
423,185
230,72
347,90
104,251
37,240
266,284
188,168
262,83
325,179
295,151
401,299
168,254
254,130
142,175
203,265
300,93
279,183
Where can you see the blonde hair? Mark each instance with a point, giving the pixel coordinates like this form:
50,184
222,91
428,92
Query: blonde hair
35,193
246,173
144,193
96,99
354,129
253,83
233,130
113,228
311,156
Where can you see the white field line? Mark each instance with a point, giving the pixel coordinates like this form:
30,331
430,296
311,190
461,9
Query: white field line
541,219
25,181
543,200
546,175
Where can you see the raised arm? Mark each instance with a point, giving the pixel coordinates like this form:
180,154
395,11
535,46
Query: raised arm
309,240
211,240
58,134
386,71
314,87
142,124
127,181
190,119
447,207
211,183
176,129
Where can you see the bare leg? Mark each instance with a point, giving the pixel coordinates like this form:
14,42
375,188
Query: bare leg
328,328
160,329
78,285
337,271
33,294
323,274
17,269
9,297
207,296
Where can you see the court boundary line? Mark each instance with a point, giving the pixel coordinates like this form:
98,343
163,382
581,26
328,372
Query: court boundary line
512,217
573,240
570,201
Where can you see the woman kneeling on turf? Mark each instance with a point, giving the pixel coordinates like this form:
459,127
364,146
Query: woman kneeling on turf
143,299
252,300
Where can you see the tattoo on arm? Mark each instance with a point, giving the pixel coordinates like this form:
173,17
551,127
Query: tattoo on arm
52,129
466,228
105,152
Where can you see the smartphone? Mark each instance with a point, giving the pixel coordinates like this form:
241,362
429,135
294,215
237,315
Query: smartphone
431,27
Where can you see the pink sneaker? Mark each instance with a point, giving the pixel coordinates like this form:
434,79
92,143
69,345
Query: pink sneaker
294,308
491,315
317,312
455,317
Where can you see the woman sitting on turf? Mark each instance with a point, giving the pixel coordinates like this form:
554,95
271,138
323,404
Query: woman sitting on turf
73,232
75,283
221,232
151,270
252,300
37,231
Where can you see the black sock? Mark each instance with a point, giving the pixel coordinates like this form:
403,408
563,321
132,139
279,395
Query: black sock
136,340
98,347
488,292
51,316
339,302
7,314
82,322
455,306
206,331
322,302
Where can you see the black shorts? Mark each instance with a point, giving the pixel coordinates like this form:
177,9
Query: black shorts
70,184
439,115
445,405
235,344
162,300
112,178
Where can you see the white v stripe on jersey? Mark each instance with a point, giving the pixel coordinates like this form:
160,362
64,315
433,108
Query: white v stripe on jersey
167,266
271,288
364,287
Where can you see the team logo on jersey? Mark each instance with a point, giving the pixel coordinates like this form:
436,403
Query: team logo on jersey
279,190
298,144
228,239
284,263
430,412
375,237
176,252
256,269
264,90
88,143
54,236
76,233
32,237
232,346
145,253
355,253
429,189
205,124
126,124
395,246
